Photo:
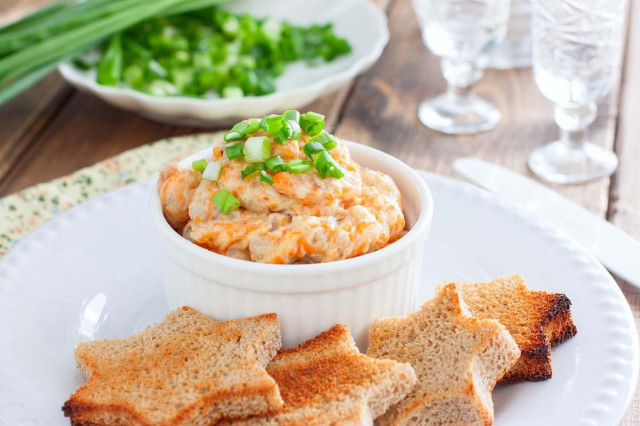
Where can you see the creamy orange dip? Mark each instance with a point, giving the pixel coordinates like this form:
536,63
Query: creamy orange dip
300,218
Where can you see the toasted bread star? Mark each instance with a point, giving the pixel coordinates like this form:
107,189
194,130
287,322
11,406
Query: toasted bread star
327,381
537,320
457,359
187,369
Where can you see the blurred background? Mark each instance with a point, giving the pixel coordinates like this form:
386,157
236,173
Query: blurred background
378,109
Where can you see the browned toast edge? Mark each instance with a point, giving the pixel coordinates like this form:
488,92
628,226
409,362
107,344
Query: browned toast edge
556,326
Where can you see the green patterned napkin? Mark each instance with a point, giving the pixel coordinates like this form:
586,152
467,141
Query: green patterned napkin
22,212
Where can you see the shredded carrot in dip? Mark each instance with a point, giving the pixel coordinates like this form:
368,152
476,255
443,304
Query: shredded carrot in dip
283,204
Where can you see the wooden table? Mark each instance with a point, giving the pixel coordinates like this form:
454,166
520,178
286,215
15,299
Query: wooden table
52,129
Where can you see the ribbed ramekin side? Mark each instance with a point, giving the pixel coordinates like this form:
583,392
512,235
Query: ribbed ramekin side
302,315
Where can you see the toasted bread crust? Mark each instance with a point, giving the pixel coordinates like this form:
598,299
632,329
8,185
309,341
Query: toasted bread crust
537,320
186,370
327,381
561,329
458,359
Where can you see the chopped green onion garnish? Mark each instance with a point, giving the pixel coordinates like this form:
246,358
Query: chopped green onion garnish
251,169
298,166
257,149
263,123
264,177
325,139
311,148
232,136
335,171
292,115
285,133
225,201
272,125
199,165
311,129
323,162
312,123
234,151
275,164
240,127
313,117
327,166
295,127
212,171
330,145
237,132
253,127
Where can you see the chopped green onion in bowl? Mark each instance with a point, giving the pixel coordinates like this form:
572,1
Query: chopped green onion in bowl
212,53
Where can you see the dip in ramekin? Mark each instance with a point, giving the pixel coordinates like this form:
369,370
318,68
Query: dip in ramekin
267,198
308,298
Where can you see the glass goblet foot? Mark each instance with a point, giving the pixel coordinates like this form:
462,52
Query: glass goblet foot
563,163
454,114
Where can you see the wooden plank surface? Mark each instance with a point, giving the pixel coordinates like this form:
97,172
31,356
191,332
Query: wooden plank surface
24,117
624,207
53,130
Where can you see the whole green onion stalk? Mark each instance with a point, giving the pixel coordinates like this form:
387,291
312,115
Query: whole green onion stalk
32,47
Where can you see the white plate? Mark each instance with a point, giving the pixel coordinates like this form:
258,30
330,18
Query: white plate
92,272
362,23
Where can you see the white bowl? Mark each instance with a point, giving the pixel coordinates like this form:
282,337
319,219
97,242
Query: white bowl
362,23
308,298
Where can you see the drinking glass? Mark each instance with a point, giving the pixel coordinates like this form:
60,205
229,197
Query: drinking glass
577,48
515,50
461,32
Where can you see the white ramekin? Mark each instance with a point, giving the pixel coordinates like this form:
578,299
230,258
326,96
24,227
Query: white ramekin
307,298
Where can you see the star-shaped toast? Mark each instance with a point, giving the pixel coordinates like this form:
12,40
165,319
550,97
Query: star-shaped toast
537,320
458,359
328,381
187,369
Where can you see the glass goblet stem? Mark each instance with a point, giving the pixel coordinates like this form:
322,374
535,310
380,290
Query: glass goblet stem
459,111
460,76
572,159
574,122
